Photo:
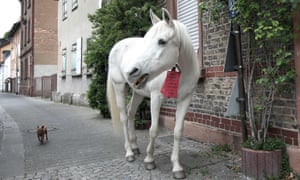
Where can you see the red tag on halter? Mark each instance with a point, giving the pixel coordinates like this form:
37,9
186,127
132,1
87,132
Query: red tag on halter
170,86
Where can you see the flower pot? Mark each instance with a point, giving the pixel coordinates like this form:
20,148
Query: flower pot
259,164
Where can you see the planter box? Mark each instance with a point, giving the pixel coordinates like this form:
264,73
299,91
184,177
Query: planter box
259,164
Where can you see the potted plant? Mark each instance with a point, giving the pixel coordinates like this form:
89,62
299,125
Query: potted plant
268,59
269,33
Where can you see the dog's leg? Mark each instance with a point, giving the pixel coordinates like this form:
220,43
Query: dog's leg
46,134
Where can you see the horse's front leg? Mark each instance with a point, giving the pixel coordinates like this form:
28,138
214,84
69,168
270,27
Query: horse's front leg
120,98
156,101
132,108
181,109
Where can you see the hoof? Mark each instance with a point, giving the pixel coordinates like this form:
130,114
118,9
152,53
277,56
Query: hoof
179,175
150,165
130,158
136,151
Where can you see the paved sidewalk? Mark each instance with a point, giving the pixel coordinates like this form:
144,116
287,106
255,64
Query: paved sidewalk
199,160
82,146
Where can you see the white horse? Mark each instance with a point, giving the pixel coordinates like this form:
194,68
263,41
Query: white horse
142,63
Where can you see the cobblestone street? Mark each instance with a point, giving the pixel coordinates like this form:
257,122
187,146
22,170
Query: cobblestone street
82,146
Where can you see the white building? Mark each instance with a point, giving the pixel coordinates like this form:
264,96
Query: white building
74,30
5,72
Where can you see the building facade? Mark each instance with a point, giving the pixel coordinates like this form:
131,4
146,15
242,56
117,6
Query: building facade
74,31
15,41
213,115
4,58
38,43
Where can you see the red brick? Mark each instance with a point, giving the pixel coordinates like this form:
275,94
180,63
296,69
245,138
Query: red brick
215,119
220,68
225,121
236,123
219,74
295,142
288,140
290,134
274,130
206,117
209,74
198,115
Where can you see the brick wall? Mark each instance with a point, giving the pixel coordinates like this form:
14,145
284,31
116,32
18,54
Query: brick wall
45,33
211,99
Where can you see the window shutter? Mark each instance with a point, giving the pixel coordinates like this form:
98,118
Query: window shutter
78,55
188,15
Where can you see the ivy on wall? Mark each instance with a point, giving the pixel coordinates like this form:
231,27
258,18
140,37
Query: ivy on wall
268,25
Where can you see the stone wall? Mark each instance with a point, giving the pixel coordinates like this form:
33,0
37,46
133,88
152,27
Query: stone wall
70,98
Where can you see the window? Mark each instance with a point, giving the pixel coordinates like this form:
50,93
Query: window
22,39
63,62
74,47
76,57
64,9
25,7
100,3
28,3
188,15
26,65
28,31
24,35
89,70
74,4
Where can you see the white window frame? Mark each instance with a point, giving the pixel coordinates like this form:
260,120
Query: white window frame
64,9
74,4
77,57
64,61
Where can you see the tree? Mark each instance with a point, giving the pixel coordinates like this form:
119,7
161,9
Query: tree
117,20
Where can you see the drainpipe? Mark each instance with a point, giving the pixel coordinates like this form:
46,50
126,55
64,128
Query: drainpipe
236,31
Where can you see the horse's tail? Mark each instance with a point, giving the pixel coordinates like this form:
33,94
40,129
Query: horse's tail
112,104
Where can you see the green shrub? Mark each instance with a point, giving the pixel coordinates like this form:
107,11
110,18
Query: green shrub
115,21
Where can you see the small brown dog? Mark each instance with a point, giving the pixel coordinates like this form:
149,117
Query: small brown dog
41,133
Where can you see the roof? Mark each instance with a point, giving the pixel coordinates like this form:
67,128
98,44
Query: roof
3,42
14,29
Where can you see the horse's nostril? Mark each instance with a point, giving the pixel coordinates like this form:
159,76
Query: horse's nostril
133,71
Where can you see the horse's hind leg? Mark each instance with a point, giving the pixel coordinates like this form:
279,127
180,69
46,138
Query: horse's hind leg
120,98
155,108
182,106
132,108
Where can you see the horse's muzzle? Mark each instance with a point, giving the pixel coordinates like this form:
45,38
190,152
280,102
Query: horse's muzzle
141,81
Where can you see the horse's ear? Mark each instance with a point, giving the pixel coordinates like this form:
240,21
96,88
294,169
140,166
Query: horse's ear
167,17
153,17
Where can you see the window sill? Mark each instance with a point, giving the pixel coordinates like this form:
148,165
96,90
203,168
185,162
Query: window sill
88,74
76,75
63,76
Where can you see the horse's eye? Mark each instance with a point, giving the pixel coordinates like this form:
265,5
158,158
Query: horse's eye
162,42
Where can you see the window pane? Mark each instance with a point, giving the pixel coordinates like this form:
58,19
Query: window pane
74,57
74,4
64,9
64,60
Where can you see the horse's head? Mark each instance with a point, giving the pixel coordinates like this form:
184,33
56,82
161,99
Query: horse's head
158,51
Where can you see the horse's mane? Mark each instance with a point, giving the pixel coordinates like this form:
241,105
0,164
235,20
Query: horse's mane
186,45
